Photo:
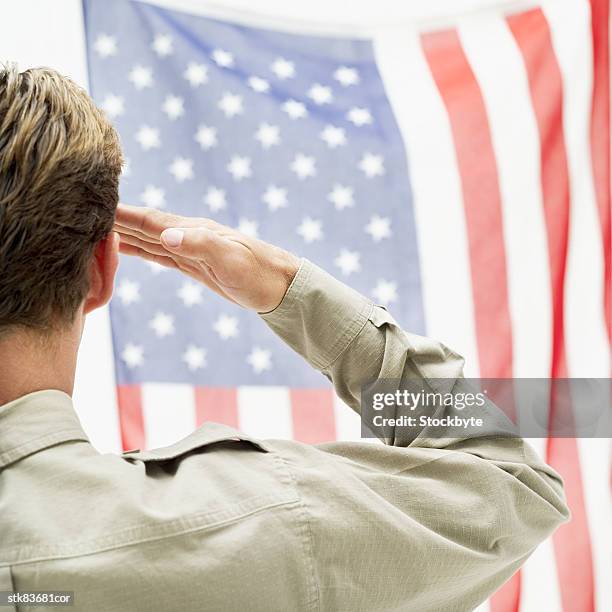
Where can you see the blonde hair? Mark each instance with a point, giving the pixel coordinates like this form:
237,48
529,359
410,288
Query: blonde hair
60,162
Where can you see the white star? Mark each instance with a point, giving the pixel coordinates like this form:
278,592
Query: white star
275,197
333,136
154,197
133,355
155,267
196,74
320,94
128,292
385,292
247,227
359,116
173,107
113,106
378,228
207,137
258,84
295,109
223,58
215,199
162,45
310,230
231,104
141,77
348,261
162,324
341,197
126,169
148,137
260,360
226,326
303,166
194,357
372,165
190,294
268,135
239,167
181,168
346,76
105,45
283,68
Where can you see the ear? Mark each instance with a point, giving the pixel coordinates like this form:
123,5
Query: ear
102,272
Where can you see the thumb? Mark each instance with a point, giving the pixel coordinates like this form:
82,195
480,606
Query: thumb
193,242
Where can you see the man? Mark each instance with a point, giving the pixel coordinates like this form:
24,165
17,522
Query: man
221,521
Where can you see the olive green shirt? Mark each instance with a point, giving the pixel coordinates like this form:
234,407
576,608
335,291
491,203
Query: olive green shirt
221,521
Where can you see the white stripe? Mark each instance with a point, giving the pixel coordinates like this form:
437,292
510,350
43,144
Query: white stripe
586,338
438,202
500,71
265,412
483,607
169,413
348,423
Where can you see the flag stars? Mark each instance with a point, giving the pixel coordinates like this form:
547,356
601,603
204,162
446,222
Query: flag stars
226,326
148,137
215,199
248,227
239,167
348,262
162,45
141,77
260,360
378,228
346,76
182,169
206,137
162,324
341,197
275,197
196,74
359,116
190,294
153,197
333,136
223,58
385,292
105,45
372,165
283,69
310,230
113,106
320,94
268,135
133,355
195,357
173,107
231,104
303,166
128,292
258,84
295,109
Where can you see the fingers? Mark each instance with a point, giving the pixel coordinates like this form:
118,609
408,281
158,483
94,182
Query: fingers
196,243
129,249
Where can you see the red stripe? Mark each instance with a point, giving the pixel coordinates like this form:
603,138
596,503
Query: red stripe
479,180
600,138
216,404
313,417
572,541
131,421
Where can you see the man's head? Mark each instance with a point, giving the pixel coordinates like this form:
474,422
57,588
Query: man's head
60,162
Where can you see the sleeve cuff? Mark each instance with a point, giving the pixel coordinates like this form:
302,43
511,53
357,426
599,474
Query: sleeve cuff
319,316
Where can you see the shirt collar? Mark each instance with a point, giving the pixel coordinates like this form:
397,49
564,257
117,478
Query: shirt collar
37,421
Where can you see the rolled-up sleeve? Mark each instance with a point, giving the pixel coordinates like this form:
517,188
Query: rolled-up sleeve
423,523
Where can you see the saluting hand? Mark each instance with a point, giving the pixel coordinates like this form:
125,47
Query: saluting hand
250,272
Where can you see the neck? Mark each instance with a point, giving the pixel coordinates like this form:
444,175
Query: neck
30,361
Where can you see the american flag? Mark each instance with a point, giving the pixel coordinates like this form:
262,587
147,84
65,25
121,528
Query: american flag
455,169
